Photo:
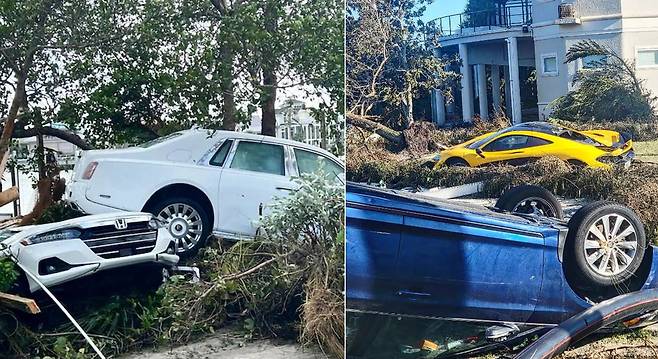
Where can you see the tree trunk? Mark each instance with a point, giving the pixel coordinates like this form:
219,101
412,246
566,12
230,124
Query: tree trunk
269,75
323,131
268,112
391,135
16,103
228,94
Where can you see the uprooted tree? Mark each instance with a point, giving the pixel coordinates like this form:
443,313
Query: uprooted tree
389,64
607,90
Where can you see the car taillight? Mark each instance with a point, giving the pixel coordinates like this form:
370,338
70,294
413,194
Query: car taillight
89,171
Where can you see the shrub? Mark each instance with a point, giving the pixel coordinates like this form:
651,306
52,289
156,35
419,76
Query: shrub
609,92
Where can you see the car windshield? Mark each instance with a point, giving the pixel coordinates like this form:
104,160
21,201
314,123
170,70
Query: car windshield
542,127
158,140
482,142
407,337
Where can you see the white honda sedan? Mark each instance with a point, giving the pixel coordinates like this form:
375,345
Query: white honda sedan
198,182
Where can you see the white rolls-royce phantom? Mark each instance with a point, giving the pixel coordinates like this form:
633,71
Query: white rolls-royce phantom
197,181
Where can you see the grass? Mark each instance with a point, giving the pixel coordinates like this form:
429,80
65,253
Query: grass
647,151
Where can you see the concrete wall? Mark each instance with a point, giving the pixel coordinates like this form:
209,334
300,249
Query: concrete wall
551,38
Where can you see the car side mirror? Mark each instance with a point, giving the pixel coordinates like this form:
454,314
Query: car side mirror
479,152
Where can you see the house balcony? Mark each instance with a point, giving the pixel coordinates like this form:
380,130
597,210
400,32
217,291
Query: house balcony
497,22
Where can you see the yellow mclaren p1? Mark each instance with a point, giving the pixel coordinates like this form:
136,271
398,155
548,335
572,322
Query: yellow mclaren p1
531,140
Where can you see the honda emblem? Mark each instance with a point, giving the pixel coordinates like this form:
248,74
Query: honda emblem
120,223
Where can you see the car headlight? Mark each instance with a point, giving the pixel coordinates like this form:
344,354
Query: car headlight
58,235
436,157
155,223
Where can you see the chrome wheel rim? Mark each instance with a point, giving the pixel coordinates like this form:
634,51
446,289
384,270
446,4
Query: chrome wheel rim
184,224
535,205
610,245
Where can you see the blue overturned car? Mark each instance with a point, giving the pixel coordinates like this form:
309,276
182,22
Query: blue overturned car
516,263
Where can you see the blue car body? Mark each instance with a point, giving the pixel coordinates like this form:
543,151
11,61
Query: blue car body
410,256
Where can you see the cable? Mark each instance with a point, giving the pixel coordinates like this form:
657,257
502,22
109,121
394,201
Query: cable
59,304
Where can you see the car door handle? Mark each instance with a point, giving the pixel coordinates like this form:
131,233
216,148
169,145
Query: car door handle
284,189
515,152
408,293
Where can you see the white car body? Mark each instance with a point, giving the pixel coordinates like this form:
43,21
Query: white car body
104,242
181,164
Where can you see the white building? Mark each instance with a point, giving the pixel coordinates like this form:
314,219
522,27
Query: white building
518,36
293,121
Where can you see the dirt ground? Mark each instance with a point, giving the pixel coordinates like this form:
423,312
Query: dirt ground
638,344
230,346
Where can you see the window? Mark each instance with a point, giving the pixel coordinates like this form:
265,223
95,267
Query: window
514,142
220,156
309,162
594,61
549,64
162,139
647,57
259,157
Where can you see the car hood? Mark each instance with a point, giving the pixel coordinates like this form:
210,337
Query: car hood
15,234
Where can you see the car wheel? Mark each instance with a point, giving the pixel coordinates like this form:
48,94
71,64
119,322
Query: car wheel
456,162
187,221
604,247
530,199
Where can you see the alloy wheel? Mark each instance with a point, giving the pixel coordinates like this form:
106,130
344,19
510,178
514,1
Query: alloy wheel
610,245
184,223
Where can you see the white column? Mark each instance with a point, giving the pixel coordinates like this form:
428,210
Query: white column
508,97
515,86
467,84
495,87
438,108
482,91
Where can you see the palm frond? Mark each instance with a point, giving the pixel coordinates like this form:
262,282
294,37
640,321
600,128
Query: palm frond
587,48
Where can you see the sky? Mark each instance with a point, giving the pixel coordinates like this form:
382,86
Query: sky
444,7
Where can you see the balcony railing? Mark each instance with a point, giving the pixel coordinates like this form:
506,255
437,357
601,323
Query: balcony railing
504,15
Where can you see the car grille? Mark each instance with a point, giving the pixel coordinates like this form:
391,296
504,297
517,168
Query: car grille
109,242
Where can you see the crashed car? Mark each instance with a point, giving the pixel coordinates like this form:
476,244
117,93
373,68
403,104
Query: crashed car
527,141
411,256
199,182
66,251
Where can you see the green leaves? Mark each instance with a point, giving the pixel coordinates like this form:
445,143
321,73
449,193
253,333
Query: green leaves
609,91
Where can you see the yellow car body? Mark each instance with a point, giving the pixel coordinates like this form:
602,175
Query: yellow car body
532,140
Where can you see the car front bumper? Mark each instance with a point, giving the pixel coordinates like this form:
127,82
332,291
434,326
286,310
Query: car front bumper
80,261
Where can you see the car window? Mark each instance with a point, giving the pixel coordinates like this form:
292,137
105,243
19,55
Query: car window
220,156
309,162
514,142
259,157
154,142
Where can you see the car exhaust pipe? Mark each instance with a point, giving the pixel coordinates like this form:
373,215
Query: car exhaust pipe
629,307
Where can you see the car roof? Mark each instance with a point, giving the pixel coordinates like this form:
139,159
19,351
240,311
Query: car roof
254,137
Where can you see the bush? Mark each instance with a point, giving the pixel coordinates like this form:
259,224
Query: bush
609,92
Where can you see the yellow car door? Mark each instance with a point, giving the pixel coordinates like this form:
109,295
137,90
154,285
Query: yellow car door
514,149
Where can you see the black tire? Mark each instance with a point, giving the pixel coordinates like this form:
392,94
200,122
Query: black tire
577,268
456,162
163,203
530,199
